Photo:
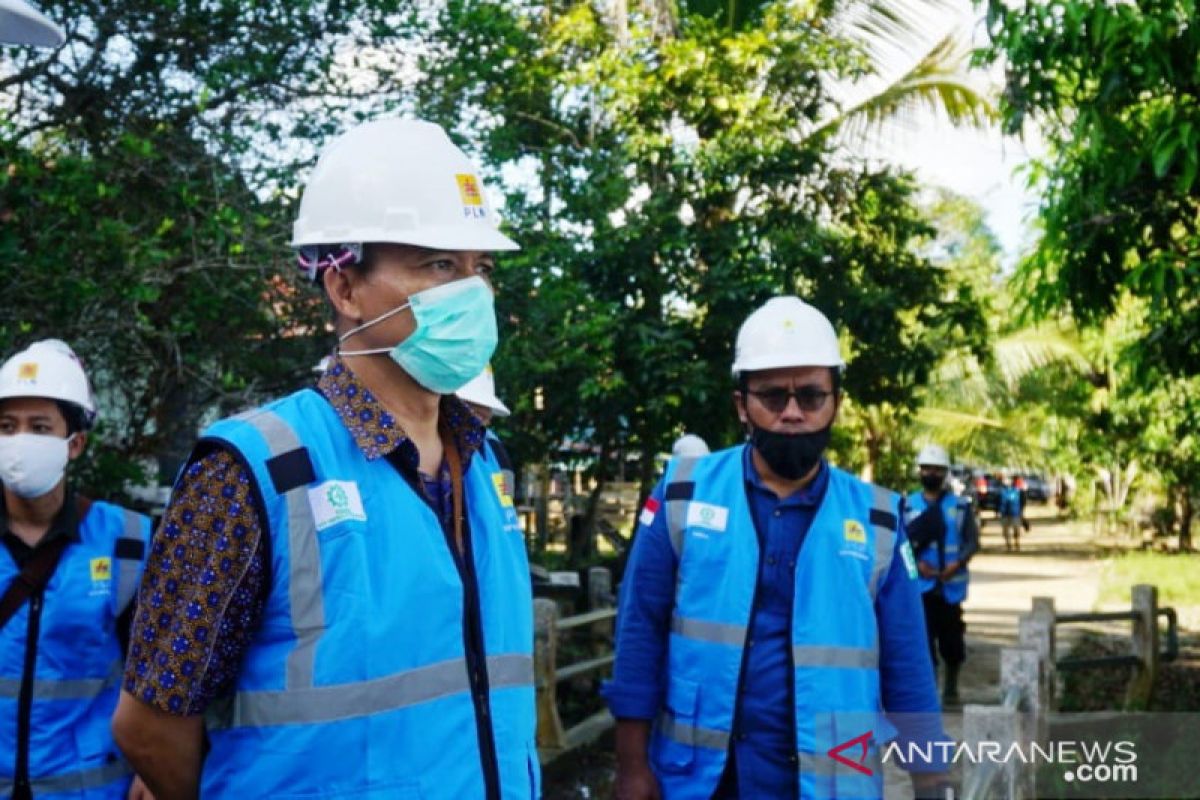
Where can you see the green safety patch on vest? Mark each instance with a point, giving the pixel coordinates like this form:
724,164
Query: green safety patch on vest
910,563
335,501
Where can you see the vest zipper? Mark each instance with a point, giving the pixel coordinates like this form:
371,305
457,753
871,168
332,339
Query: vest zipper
21,787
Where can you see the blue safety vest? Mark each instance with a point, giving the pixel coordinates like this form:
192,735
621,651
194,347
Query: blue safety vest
954,511
356,684
835,639
70,635
1010,502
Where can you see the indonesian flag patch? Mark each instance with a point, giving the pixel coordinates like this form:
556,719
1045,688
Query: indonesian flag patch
648,512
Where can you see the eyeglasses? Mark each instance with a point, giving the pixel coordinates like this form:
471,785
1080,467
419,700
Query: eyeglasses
807,397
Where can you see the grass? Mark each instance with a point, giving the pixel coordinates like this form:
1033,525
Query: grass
1177,576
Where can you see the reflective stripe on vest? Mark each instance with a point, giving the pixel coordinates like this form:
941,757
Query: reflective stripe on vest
834,642
802,655
679,491
883,520
81,781
947,549
305,584
823,766
68,689
691,735
128,567
389,680
677,495
377,696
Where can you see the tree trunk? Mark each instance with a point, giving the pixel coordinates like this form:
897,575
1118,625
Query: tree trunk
874,447
1187,511
177,418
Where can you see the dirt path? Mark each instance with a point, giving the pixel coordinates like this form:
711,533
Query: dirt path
1057,560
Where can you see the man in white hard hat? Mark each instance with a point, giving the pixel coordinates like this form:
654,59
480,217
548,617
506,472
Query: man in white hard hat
770,607
21,23
337,592
944,536
479,394
66,584
690,445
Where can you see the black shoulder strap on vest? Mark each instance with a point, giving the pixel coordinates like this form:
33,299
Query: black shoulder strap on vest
34,577
38,569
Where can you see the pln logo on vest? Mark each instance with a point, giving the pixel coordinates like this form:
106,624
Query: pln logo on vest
101,574
854,540
333,502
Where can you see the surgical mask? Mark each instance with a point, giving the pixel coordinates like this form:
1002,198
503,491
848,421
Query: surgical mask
933,482
454,338
32,464
790,455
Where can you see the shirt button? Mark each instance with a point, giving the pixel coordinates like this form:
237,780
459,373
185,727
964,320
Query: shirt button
778,513
741,737
771,560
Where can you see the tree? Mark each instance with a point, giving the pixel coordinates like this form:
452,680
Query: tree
1114,89
664,182
151,165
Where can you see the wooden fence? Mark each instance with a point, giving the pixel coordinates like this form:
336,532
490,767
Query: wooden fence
594,630
1028,686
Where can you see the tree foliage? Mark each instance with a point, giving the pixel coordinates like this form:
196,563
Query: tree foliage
667,182
1115,88
146,201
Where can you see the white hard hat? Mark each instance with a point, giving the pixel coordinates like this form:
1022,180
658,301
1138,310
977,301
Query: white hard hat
933,455
481,390
400,181
786,332
49,369
21,23
689,445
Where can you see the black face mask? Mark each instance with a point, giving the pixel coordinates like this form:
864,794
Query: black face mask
933,483
790,455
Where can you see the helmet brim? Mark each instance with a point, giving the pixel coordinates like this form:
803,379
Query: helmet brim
451,239
22,24
782,361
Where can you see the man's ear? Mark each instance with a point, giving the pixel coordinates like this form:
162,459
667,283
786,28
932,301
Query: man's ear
739,403
76,446
341,287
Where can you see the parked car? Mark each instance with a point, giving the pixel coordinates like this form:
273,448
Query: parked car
1037,489
984,491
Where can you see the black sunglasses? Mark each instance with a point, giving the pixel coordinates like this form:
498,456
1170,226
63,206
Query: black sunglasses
775,400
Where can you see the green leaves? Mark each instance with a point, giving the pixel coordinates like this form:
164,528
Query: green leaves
1116,88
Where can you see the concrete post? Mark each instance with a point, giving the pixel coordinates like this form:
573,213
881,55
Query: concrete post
550,734
1140,691
989,726
600,595
1043,609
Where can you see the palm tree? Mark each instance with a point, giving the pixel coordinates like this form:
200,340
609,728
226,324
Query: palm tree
982,411
889,34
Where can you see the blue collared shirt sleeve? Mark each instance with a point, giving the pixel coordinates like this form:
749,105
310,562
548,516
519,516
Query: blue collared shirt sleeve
905,669
643,620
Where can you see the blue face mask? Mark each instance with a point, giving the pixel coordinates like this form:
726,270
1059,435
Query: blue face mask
454,338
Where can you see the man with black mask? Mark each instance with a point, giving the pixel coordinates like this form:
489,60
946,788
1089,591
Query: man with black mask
770,600
944,536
